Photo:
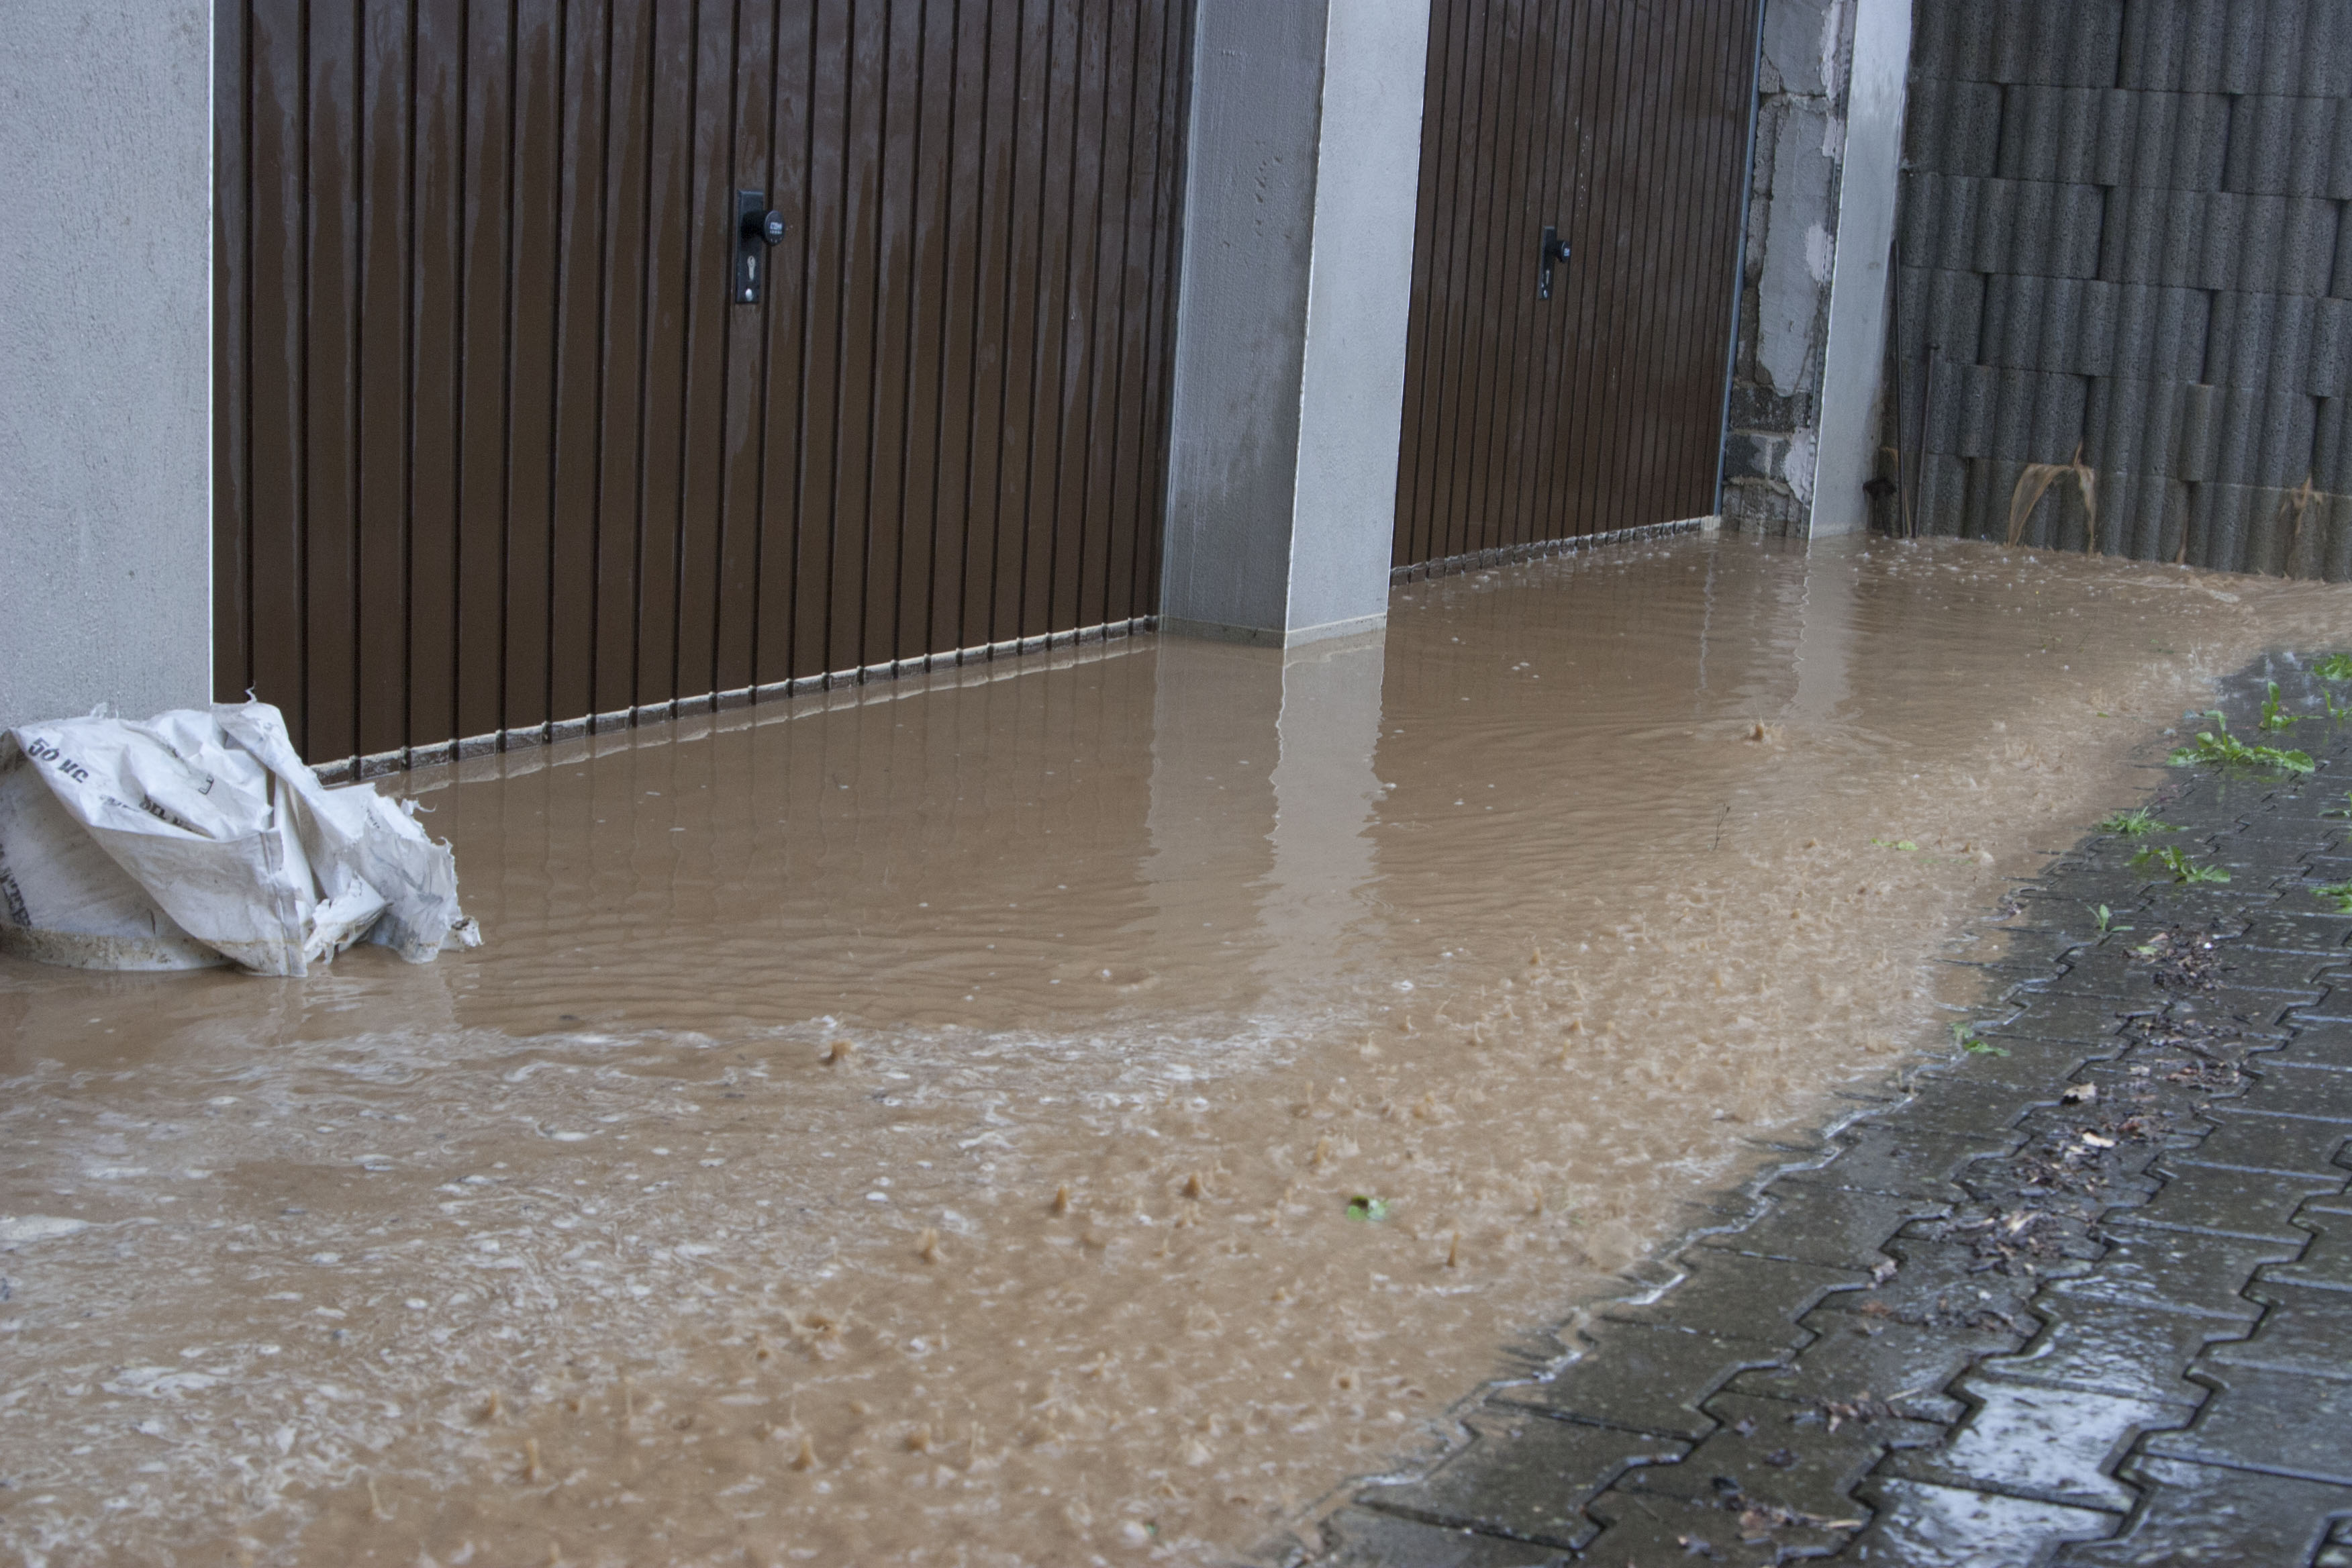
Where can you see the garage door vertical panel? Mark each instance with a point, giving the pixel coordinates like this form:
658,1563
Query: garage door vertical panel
533,388
386,185
575,455
894,241
930,261
437,352
232,324
1527,421
784,341
751,165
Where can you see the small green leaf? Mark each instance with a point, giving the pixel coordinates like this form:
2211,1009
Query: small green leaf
2334,666
1367,1209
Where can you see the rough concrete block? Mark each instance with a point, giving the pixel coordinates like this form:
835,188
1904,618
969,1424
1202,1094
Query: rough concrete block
2200,433
1958,408
2132,426
2048,133
2181,143
2261,340
1954,127
2265,437
1940,307
2166,42
1951,42
2035,226
2160,333
1939,217
2307,257
2329,370
2331,462
1943,488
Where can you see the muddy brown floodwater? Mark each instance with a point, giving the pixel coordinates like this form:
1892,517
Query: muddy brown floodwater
921,1125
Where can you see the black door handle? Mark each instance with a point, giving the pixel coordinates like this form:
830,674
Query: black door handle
756,228
1553,250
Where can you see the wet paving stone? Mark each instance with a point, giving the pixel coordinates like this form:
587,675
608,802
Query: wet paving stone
1363,1537
1758,1300
1526,1478
1862,1356
1792,1458
2281,1422
1642,1378
2327,1260
2233,1201
2162,1270
1924,1525
1644,1528
2104,1347
1805,1222
2057,1445
2244,1135
2304,1331
2209,1513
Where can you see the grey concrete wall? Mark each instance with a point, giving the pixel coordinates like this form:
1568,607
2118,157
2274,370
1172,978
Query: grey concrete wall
2125,236
1351,401
1301,185
1853,355
105,356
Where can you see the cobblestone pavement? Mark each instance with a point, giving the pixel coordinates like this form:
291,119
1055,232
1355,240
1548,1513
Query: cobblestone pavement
2083,1296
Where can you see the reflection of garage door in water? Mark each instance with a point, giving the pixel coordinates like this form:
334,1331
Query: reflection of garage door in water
1623,129
496,445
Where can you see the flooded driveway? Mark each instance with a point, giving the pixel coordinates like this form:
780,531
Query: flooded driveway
1080,1108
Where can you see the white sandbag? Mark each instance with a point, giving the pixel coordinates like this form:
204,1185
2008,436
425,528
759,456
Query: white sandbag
199,836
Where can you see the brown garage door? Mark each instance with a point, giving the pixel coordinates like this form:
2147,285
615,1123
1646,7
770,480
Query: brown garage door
498,444
1622,124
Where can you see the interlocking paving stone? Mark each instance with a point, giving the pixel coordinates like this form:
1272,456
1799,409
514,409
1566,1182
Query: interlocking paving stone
1922,1525
2230,1201
2164,1270
1642,1378
1526,1478
1799,1457
2283,1423
2105,1347
1644,1528
1946,1283
1861,1355
2058,1445
2305,1329
1809,1223
1908,1163
2209,1514
2244,1135
2326,1262
1362,1538
1753,1299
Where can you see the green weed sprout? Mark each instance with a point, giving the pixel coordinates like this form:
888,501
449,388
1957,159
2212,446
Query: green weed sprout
2275,713
1966,1038
2223,748
2133,823
2334,666
2337,893
2106,919
2177,862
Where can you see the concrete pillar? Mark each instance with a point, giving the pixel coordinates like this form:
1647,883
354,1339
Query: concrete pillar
1854,359
105,356
1805,378
1302,179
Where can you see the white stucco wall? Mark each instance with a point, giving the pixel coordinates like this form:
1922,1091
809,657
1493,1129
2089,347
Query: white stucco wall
105,356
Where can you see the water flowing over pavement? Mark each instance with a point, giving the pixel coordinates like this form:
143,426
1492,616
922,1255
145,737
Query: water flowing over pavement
1045,1114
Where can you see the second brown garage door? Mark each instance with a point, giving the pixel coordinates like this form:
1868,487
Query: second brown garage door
498,444
1624,126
